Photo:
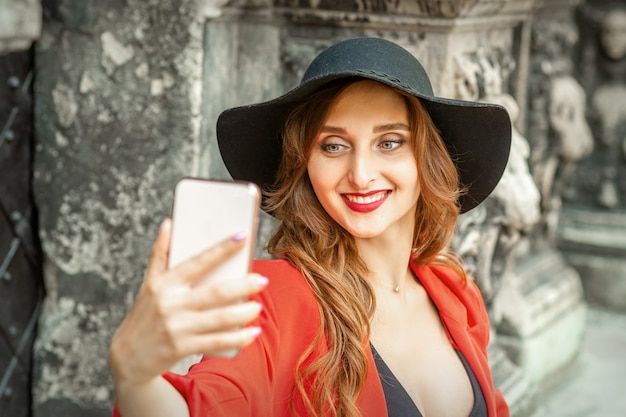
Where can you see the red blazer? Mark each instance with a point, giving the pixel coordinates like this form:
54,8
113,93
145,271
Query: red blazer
259,381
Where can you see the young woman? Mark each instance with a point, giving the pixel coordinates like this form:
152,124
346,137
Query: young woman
365,314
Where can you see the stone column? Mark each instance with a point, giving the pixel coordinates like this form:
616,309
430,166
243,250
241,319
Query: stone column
118,96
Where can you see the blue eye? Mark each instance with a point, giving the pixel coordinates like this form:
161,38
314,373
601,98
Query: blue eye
332,147
390,144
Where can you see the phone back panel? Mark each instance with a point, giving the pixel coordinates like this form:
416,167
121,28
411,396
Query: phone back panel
207,212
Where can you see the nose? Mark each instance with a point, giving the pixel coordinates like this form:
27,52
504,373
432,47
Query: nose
362,171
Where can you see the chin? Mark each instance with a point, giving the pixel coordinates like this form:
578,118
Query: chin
364,234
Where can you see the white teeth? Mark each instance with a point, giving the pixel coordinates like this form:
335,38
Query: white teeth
366,200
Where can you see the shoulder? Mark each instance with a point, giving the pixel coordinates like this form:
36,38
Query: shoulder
448,289
279,267
288,295
463,286
285,279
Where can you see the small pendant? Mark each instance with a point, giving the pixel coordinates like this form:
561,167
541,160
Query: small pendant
397,289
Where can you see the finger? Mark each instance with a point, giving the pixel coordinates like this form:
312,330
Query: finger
192,270
225,292
212,343
215,320
160,250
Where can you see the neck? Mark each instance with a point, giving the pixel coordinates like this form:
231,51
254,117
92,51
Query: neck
387,259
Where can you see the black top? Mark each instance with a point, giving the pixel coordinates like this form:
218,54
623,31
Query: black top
400,404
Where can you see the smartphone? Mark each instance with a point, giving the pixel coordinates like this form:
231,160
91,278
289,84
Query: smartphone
206,212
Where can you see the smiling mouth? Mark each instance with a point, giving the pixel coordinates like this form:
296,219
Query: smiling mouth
366,199
364,203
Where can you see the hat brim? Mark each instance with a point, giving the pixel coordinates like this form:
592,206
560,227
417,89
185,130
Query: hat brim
477,135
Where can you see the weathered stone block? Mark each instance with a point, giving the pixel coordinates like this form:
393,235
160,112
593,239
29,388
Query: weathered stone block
518,391
594,243
544,353
20,24
543,315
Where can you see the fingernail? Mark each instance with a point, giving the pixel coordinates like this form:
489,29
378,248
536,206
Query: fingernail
240,236
254,331
263,281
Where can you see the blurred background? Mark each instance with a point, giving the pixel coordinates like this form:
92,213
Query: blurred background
105,105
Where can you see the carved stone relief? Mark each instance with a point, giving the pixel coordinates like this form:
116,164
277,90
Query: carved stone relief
602,68
517,281
572,142
593,221
558,131
540,295
430,8
490,238
609,106
513,207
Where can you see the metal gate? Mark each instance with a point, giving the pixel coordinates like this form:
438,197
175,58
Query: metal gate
21,288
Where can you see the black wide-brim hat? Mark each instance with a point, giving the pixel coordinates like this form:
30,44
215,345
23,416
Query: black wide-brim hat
477,135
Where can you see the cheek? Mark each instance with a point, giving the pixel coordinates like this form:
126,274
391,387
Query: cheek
410,183
405,174
320,177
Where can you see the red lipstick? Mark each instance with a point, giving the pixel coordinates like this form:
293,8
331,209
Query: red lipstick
360,203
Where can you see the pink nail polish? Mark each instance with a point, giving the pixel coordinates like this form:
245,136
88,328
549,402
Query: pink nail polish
240,236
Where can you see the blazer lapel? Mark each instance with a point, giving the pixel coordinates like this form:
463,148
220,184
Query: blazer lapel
467,329
371,400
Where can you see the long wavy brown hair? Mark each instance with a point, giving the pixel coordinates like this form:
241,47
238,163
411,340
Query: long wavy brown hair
327,255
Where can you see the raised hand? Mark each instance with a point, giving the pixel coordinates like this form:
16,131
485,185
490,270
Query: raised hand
175,314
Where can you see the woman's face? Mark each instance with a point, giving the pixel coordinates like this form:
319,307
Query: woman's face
362,167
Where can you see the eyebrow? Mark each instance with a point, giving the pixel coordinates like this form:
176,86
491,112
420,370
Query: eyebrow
390,126
377,129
